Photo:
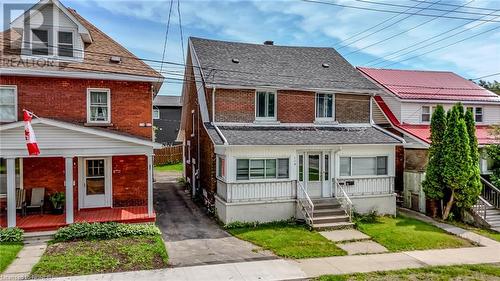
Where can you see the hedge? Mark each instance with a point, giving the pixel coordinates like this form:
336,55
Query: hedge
11,234
108,230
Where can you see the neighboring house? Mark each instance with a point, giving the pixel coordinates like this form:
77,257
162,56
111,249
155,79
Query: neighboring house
406,106
94,102
167,118
270,131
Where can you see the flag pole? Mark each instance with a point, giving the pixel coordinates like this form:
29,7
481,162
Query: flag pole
33,114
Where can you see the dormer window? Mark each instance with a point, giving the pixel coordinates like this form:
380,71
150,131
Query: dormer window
40,42
65,44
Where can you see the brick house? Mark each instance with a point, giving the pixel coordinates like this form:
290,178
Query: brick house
275,132
406,105
93,99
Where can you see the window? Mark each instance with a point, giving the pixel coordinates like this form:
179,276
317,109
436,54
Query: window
301,167
8,104
95,177
313,167
98,106
426,113
262,168
39,42
65,44
363,166
326,165
324,106
265,105
156,113
221,167
478,114
3,175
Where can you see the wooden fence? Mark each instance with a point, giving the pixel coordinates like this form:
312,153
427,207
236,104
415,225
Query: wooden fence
168,155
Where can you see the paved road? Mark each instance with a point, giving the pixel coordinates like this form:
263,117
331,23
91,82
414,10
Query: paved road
191,237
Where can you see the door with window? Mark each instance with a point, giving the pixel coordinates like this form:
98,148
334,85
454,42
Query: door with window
96,191
314,173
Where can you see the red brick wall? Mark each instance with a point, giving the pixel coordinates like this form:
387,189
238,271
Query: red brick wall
296,107
50,174
234,105
130,181
66,100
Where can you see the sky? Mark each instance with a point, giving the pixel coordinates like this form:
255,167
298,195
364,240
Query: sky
363,37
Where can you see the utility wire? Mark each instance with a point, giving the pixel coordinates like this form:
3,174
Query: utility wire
455,5
166,35
486,76
180,27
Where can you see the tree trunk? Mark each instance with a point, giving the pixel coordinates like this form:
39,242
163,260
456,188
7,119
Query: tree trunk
449,204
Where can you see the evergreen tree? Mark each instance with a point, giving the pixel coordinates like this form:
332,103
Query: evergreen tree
433,184
457,159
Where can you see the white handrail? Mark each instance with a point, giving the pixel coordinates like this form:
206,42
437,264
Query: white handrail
343,199
301,195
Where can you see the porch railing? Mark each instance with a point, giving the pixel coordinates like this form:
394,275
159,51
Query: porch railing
256,191
367,185
490,193
343,199
481,208
306,204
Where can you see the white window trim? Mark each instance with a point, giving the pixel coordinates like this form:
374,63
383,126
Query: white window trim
73,44
365,176
108,91
275,93
262,179
474,108
78,54
224,174
48,42
158,111
323,119
422,113
14,87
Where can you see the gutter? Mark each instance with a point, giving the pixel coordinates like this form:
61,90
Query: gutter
220,134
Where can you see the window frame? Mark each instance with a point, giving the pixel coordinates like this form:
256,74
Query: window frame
49,51
422,113
108,91
266,118
73,41
156,116
316,107
265,178
221,159
14,87
350,176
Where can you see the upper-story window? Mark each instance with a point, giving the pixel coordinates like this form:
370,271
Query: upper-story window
8,104
156,113
65,44
324,106
478,113
426,113
40,42
265,108
98,106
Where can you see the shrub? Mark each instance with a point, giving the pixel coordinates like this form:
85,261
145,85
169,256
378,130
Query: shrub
371,217
11,234
108,230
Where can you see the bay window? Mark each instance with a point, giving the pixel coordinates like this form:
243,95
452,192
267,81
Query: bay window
324,106
363,166
265,105
262,168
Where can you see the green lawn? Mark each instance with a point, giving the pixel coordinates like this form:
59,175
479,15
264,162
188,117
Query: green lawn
170,167
100,256
288,240
8,253
408,234
484,272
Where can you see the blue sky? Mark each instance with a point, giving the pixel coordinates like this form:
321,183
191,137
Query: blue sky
140,26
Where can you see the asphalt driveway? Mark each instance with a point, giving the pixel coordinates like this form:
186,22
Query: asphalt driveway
191,237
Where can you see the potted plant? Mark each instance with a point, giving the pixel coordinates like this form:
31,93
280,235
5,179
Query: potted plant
57,200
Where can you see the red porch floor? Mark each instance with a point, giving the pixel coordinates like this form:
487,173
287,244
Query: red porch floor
34,222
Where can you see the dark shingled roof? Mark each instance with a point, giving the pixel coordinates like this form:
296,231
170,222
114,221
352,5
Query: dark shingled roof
277,66
276,135
167,101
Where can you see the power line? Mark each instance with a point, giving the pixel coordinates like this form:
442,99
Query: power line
180,27
455,5
486,76
389,56
400,33
446,46
387,11
166,35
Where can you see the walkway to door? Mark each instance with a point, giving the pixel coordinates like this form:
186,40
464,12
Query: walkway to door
191,237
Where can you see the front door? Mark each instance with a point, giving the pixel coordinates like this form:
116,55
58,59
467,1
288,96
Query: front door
314,173
96,191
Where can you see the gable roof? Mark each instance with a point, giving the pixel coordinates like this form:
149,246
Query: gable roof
96,56
429,85
162,100
282,67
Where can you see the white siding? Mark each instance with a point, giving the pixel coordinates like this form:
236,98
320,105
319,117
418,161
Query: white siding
377,115
411,112
394,105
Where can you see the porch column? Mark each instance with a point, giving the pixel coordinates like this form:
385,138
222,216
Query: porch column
150,185
11,192
69,189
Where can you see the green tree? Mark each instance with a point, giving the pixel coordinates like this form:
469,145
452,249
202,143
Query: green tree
433,184
492,86
493,151
457,159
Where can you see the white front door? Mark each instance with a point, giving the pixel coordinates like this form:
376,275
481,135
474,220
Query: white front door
314,173
96,189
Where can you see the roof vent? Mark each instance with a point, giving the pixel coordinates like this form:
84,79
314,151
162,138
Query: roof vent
115,59
325,65
235,60
269,42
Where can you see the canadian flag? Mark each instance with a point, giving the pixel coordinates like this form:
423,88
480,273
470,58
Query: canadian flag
29,134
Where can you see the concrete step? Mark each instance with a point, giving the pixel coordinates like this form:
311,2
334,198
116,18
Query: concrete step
323,200
328,212
327,205
330,219
333,225
38,237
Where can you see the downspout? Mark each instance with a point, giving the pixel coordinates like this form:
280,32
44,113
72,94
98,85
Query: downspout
213,119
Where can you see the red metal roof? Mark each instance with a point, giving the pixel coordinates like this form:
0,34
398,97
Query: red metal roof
423,132
429,85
